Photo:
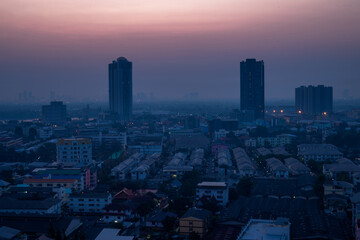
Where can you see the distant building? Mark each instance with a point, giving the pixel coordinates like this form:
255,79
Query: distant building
218,190
145,144
314,100
251,142
192,122
319,152
257,229
220,134
120,88
46,133
54,113
252,87
279,140
109,140
74,150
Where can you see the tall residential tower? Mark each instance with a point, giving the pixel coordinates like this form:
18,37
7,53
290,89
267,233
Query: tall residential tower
314,100
120,88
252,88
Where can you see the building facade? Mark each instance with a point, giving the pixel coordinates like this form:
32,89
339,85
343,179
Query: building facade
218,190
314,100
195,220
74,150
89,202
319,152
54,113
252,88
120,88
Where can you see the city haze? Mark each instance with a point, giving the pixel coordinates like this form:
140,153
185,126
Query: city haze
177,49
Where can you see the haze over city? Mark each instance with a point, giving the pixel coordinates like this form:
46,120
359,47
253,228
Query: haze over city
177,47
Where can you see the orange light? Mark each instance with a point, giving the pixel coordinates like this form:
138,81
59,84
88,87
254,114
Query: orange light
281,111
325,113
300,111
274,110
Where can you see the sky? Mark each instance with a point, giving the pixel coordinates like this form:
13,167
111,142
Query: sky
177,47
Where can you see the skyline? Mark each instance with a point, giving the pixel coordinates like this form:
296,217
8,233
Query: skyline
178,48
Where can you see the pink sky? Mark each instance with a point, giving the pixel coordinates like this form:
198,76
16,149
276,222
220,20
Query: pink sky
74,41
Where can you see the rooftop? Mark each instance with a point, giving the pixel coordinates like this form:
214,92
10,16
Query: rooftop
197,213
259,229
212,184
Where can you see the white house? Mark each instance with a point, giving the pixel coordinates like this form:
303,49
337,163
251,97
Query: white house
218,190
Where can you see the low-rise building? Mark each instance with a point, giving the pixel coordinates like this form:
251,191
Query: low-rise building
296,167
173,171
73,184
339,188
113,234
277,168
122,171
88,202
157,220
195,220
218,190
251,142
74,150
342,168
197,158
279,140
29,204
220,134
119,212
319,152
86,176
244,164
258,229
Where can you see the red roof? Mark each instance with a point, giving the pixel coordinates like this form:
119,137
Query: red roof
125,193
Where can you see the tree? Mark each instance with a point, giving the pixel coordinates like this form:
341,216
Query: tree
18,131
190,181
211,205
51,232
32,134
180,205
315,166
260,131
169,223
58,235
194,236
244,186
188,189
145,207
47,152
233,194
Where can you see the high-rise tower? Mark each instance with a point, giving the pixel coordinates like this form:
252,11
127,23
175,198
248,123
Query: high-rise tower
120,88
252,88
314,100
